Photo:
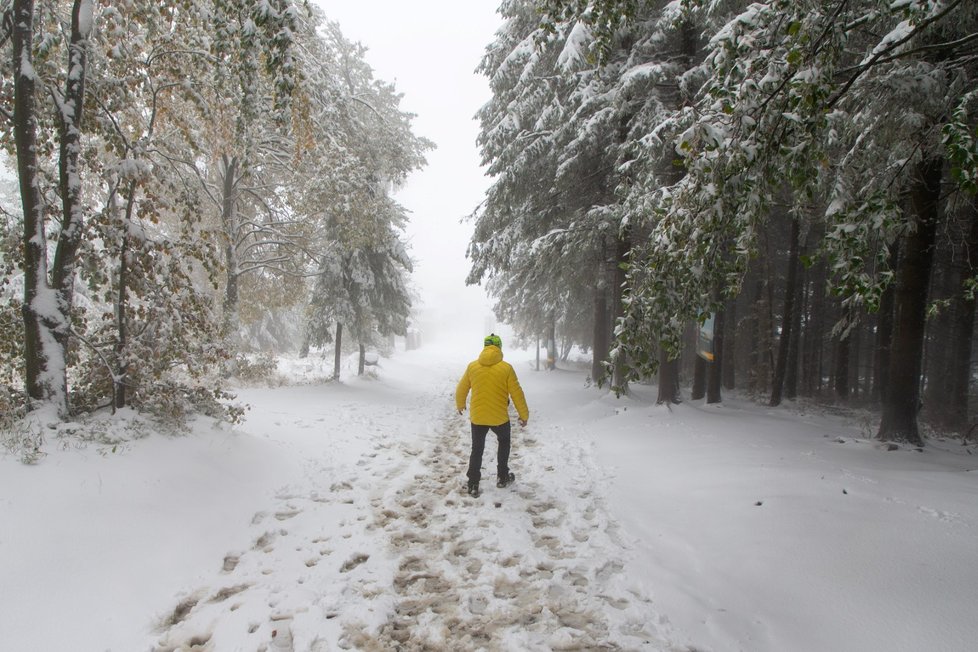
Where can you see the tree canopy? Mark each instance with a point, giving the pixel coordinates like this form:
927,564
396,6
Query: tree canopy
170,154
687,130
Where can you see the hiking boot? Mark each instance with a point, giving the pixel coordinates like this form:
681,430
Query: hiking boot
503,482
474,489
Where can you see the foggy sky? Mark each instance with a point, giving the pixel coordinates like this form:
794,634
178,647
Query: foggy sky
430,50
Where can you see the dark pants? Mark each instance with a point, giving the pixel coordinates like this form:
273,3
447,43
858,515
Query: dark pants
479,445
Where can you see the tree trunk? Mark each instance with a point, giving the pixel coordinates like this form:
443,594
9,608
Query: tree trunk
867,363
698,389
811,363
950,333
714,370
122,328
767,331
69,176
962,337
788,318
855,352
47,305
363,358
37,357
794,346
729,366
601,334
668,379
338,349
552,345
229,222
884,332
119,381
620,380
841,365
69,113
566,345
760,344
902,398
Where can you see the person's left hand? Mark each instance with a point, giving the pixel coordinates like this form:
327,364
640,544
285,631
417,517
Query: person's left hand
461,412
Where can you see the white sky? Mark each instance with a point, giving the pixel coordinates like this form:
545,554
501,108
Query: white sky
430,50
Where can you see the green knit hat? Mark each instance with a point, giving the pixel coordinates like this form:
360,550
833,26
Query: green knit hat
493,340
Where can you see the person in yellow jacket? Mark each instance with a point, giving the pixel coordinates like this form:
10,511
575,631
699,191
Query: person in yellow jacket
493,382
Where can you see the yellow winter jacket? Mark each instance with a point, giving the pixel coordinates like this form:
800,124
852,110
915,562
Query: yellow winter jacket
492,382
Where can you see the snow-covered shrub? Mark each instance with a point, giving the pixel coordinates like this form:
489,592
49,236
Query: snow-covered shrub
256,368
175,405
16,437
11,343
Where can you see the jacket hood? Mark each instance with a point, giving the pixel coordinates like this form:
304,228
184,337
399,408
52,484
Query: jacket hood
490,355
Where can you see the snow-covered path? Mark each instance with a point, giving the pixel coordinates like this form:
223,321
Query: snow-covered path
373,544
334,518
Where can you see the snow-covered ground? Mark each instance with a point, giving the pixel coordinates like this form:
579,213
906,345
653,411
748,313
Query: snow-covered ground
334,518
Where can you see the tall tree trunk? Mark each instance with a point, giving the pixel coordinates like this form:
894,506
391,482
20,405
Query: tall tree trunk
120,379
855,339
229,222
601,334
624,246
816,342
552,344
566,345
788,317
902,398
40,357
950,333
794,346
841,365
760,344
669,392
868,334
69,176
70,110
48,308
669,382
884,332
338,351
122,329
714,370
963,335
361,363
698,389
729,366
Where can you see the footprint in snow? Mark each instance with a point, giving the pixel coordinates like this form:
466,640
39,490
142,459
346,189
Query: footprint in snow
228,591
230,562
478,604
608,569
353,562
264,542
